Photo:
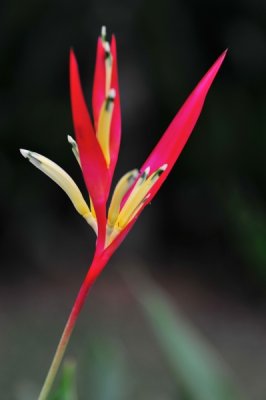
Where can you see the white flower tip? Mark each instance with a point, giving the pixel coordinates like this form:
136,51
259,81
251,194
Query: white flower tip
34,158
135,173
112,94
25,153
70,139
163,167
103,32
147,171
106,47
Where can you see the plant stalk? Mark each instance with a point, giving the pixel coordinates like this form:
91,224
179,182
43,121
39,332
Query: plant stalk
94,270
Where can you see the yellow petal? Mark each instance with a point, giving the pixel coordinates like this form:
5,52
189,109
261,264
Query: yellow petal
138,196
59,176
104,125
121,189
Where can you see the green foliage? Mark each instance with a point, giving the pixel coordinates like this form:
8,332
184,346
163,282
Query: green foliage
248,226
196,368
105,371
66,389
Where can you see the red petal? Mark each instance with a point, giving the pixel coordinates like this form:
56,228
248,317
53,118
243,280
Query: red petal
174,139
98,92
115,133
92,160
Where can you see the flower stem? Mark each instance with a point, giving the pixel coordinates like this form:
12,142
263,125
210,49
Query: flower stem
91,276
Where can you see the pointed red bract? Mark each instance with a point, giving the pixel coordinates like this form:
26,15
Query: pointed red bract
175,137
98,97
98,91
115,132
93,164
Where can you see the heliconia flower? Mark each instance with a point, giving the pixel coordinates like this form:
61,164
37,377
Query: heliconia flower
96,150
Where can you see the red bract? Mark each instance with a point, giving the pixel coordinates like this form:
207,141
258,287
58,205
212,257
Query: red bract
115,132
99,95
165,152
175,137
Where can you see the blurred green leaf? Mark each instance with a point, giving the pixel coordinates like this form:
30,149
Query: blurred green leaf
106,372
198,370
248,225
67,386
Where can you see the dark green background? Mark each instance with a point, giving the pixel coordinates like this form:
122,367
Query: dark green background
208,221
212,209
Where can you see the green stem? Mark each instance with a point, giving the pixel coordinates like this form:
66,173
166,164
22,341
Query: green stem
92,274
60,351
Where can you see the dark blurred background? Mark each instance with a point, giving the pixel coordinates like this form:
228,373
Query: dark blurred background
203,237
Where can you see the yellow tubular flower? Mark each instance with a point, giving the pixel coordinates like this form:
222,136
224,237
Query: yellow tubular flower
75,151
104,125
121,189
59,176
138,195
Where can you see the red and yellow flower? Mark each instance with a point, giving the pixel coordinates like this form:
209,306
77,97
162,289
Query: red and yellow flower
96,149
